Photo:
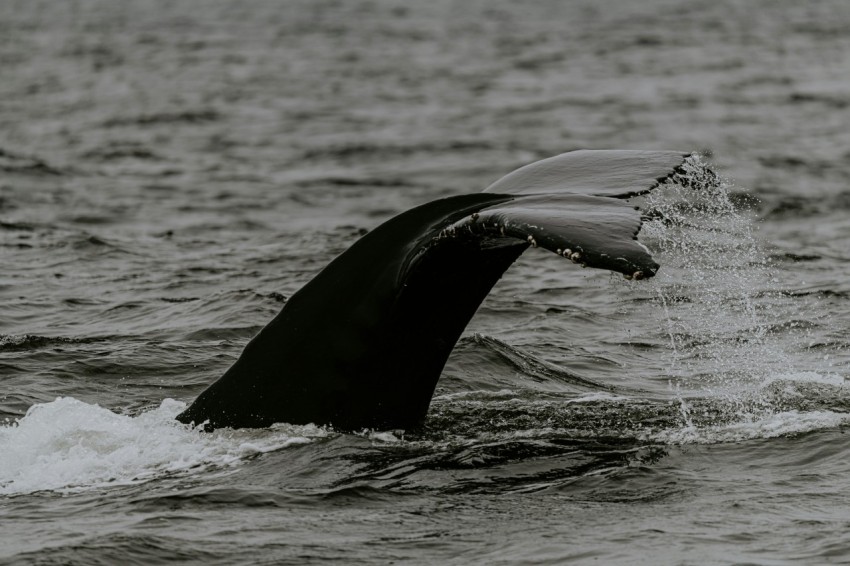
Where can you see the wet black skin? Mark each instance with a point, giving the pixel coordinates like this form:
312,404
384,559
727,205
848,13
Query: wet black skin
362,345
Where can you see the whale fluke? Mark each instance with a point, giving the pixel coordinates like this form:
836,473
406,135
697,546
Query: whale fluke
602,173
362,345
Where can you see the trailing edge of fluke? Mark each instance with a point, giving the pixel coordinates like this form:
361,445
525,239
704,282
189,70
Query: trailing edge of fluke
362,345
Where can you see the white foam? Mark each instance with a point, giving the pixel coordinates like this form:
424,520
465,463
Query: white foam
477,395
68,445
596,397
808,377
386,437
769,426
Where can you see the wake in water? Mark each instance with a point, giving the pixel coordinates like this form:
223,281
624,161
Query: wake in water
724,337
68,445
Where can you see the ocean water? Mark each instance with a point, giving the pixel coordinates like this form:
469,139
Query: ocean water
170,172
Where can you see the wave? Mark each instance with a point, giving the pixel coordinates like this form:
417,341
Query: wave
485,363
16,163
119,151
25,342
529,439
357,150
69,445
509,441
199,116
782,424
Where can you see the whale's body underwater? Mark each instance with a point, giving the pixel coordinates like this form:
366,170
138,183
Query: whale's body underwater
362,345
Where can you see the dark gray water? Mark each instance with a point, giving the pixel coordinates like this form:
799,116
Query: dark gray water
171,171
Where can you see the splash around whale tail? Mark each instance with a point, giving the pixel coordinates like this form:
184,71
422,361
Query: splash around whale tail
362,345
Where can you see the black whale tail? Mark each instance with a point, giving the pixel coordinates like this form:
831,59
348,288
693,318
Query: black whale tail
363,344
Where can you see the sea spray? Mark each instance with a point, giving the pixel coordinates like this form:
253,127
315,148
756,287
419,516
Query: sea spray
719,300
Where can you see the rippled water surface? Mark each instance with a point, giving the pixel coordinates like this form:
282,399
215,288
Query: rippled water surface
170,172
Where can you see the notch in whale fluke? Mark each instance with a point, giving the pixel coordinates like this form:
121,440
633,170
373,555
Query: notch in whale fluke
363,344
